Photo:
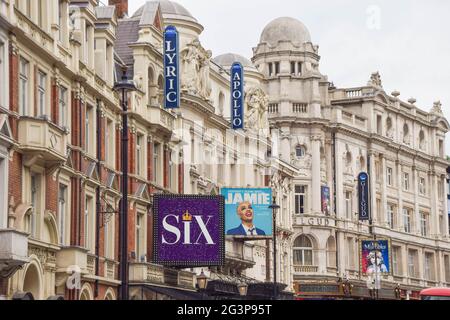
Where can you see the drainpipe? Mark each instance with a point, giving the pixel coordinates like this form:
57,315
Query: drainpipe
97,196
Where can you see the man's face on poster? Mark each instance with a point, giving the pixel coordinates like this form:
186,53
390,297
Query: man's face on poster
245,211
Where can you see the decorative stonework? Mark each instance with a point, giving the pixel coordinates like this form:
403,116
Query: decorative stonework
437,108
256,115
375,80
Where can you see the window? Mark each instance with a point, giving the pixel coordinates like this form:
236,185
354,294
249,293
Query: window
62,200
447,268
422,188
396,260
424,224
139,153
109,142
441,148
303,251
379,124
87,44
429,266
23,87
62,105
277,68
348,205
351,253
40,13
42,79
300,151
413,269
270,69
299,68
292,67
405,181
156,160
389,176
391,216
89,121
88,225
139,236
406,220
440,190
300,199
331,252
3,73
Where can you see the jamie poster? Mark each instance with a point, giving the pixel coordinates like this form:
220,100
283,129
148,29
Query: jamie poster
375,256
247,212
188,230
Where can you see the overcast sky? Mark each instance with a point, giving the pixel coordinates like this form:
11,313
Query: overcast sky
407,41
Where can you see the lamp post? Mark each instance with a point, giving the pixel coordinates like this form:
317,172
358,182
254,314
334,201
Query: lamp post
202,282
274,208
124,86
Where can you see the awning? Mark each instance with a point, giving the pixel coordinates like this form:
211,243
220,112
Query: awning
177,294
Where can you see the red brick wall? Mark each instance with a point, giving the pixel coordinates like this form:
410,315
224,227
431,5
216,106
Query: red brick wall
150,161
55,102
15,178
181,176
131,230
51,193
149,238
166,168
121,7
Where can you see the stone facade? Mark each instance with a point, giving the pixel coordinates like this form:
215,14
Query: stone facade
60,130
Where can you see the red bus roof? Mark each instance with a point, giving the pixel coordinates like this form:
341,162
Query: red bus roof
437,292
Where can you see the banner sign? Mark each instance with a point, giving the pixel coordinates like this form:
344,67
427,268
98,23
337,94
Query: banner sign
326,208
375,256
247,212
171,68
363,196
188,230
237,96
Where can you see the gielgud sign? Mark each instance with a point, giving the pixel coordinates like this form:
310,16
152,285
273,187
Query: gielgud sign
188,230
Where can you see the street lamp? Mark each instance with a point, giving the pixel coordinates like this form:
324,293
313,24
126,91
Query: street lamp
124,86
243,287
274,208
202,281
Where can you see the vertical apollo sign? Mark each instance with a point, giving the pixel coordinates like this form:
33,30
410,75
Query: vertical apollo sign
171,68
237,96
363,196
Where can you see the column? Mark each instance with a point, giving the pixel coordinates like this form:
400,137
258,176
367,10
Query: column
416,222
373,189
384,203
400,196
434,217
316,183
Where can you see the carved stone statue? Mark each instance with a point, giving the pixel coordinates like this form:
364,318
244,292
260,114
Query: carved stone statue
190,67
437,108
256,115
375,80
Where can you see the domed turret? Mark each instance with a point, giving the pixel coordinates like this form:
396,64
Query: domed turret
227,60
285,29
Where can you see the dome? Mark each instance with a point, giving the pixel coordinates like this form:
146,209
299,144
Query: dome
285,29
169,10
227,60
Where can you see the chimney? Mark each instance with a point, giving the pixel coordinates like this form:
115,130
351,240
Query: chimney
121,7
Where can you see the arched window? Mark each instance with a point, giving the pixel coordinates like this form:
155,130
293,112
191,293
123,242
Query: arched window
152,90
331,252
303,251
221,103
362,163
300,151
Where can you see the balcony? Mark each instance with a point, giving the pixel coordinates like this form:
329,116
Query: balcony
306,269
43,139
162,119
239,255
150,274
72,259
13,251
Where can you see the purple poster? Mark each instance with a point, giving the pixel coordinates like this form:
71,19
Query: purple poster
188,230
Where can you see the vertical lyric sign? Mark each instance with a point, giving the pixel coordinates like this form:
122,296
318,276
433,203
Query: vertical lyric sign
171,68
237,96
